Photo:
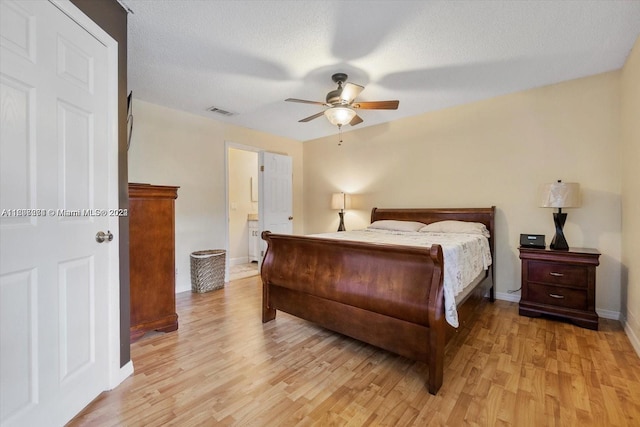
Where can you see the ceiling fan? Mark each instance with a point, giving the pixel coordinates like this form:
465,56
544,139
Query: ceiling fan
342,105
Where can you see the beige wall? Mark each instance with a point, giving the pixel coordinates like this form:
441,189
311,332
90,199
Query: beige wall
170,147
243,168
630,97
493,152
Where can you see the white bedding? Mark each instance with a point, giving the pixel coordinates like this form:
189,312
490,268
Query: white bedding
465,256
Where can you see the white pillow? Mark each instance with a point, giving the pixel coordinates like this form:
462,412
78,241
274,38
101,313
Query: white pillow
390,224
450,226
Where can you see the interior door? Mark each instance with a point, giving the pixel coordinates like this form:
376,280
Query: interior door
276,208
56,181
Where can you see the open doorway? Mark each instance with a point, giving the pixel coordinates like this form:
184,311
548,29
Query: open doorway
243,207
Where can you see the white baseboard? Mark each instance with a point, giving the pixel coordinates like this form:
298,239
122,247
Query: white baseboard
122,374
505,296
608,314
632,324
239,260
184,288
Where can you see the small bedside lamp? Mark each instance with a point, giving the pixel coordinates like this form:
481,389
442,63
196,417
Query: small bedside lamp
339,201
560,195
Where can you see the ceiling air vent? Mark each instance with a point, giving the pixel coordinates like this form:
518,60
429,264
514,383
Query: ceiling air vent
220,111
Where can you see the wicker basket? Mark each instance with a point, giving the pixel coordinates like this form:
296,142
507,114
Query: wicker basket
207,270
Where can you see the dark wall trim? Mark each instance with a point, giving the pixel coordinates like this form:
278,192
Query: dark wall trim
112,18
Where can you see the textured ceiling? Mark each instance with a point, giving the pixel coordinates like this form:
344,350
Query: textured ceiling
246,57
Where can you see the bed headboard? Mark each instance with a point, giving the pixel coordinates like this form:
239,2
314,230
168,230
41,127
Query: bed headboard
485,216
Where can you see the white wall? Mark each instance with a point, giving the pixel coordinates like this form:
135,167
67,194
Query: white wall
630,88
493,152
170,147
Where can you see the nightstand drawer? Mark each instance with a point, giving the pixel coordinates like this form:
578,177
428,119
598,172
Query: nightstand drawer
558,274
558,296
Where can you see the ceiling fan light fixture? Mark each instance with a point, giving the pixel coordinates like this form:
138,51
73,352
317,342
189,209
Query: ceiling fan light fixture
339,115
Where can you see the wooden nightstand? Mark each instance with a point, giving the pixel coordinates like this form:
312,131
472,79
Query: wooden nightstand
561,284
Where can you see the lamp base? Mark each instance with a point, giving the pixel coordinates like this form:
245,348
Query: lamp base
559,243
341,226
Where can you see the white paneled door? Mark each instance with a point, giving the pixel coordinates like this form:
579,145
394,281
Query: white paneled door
56,181
276,206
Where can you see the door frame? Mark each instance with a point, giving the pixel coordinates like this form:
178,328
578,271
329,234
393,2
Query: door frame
243,147
116,373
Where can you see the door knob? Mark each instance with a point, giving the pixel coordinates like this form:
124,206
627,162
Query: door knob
102,237
290,218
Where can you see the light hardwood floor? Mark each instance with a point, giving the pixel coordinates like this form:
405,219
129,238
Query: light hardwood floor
224,367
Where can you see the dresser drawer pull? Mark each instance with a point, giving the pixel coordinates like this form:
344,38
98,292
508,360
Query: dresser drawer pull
556,296
553,273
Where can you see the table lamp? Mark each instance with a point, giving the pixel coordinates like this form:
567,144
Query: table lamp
560,195
338,201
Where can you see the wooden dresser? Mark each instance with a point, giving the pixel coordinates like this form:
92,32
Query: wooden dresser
561,284
152,258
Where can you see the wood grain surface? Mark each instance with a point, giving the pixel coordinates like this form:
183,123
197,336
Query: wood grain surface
224,367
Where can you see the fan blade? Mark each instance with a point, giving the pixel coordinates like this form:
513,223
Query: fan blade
304,101
308,119
377,105
356,120
349,92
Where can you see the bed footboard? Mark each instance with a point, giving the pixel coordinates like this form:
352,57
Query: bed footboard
386,295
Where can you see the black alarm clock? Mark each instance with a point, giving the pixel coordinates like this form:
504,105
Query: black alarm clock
532,241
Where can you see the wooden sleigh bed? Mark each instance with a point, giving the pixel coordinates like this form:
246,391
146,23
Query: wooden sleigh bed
389,296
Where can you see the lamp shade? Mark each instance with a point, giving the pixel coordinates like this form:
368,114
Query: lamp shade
560,195
339,116
338,201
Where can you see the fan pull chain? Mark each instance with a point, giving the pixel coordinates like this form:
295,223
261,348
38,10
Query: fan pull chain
340,132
